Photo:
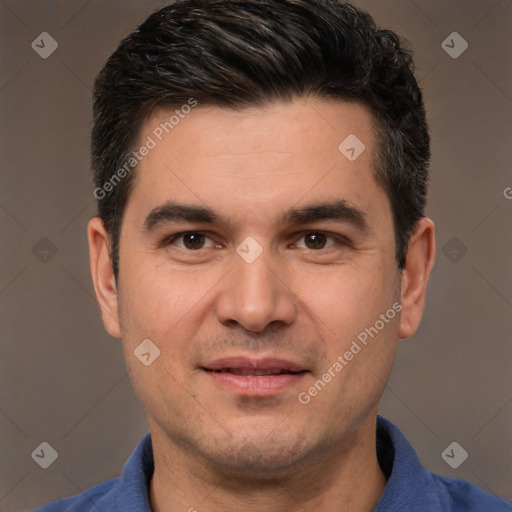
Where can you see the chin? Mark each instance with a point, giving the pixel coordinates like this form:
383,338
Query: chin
261,455
251,463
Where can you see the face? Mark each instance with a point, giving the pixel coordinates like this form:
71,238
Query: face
260,260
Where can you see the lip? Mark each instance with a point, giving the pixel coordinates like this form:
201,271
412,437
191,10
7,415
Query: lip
247,376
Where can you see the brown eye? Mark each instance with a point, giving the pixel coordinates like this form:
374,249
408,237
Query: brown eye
315,240
318,240
193,240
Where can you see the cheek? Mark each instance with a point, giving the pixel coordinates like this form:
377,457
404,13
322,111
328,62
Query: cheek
157,298
344,301
170,307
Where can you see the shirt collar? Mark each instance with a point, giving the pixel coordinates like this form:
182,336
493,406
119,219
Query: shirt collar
408,482
133,495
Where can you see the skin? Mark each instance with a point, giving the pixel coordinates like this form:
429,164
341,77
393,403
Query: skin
216,449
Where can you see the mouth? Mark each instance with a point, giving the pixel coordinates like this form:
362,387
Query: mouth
249,372
255,377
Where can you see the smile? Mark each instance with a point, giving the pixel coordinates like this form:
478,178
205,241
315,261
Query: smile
249,372
254,377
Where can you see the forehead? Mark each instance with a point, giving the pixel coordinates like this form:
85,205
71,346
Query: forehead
284,153
307,126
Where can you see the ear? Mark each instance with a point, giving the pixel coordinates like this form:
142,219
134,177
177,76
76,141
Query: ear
421,254
103,275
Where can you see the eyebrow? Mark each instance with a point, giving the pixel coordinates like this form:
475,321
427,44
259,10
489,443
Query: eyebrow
175,212
335,211
326,211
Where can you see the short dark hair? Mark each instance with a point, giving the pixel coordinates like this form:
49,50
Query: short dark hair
243,53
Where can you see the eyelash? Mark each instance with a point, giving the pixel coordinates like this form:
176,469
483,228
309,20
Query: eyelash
339,240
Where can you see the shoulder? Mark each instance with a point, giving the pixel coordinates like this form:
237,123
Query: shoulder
458,495
128,493
413,488
100,496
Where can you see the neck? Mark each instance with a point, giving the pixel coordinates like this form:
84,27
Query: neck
346,477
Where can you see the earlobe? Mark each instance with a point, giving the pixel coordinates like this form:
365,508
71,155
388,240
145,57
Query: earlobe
103,275
421,255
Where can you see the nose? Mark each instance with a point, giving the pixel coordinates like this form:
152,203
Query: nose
254,295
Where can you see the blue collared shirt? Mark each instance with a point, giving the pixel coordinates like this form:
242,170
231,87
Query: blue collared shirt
409,488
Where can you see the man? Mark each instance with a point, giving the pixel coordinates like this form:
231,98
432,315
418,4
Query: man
261,245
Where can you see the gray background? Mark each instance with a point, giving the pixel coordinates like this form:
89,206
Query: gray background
63,379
